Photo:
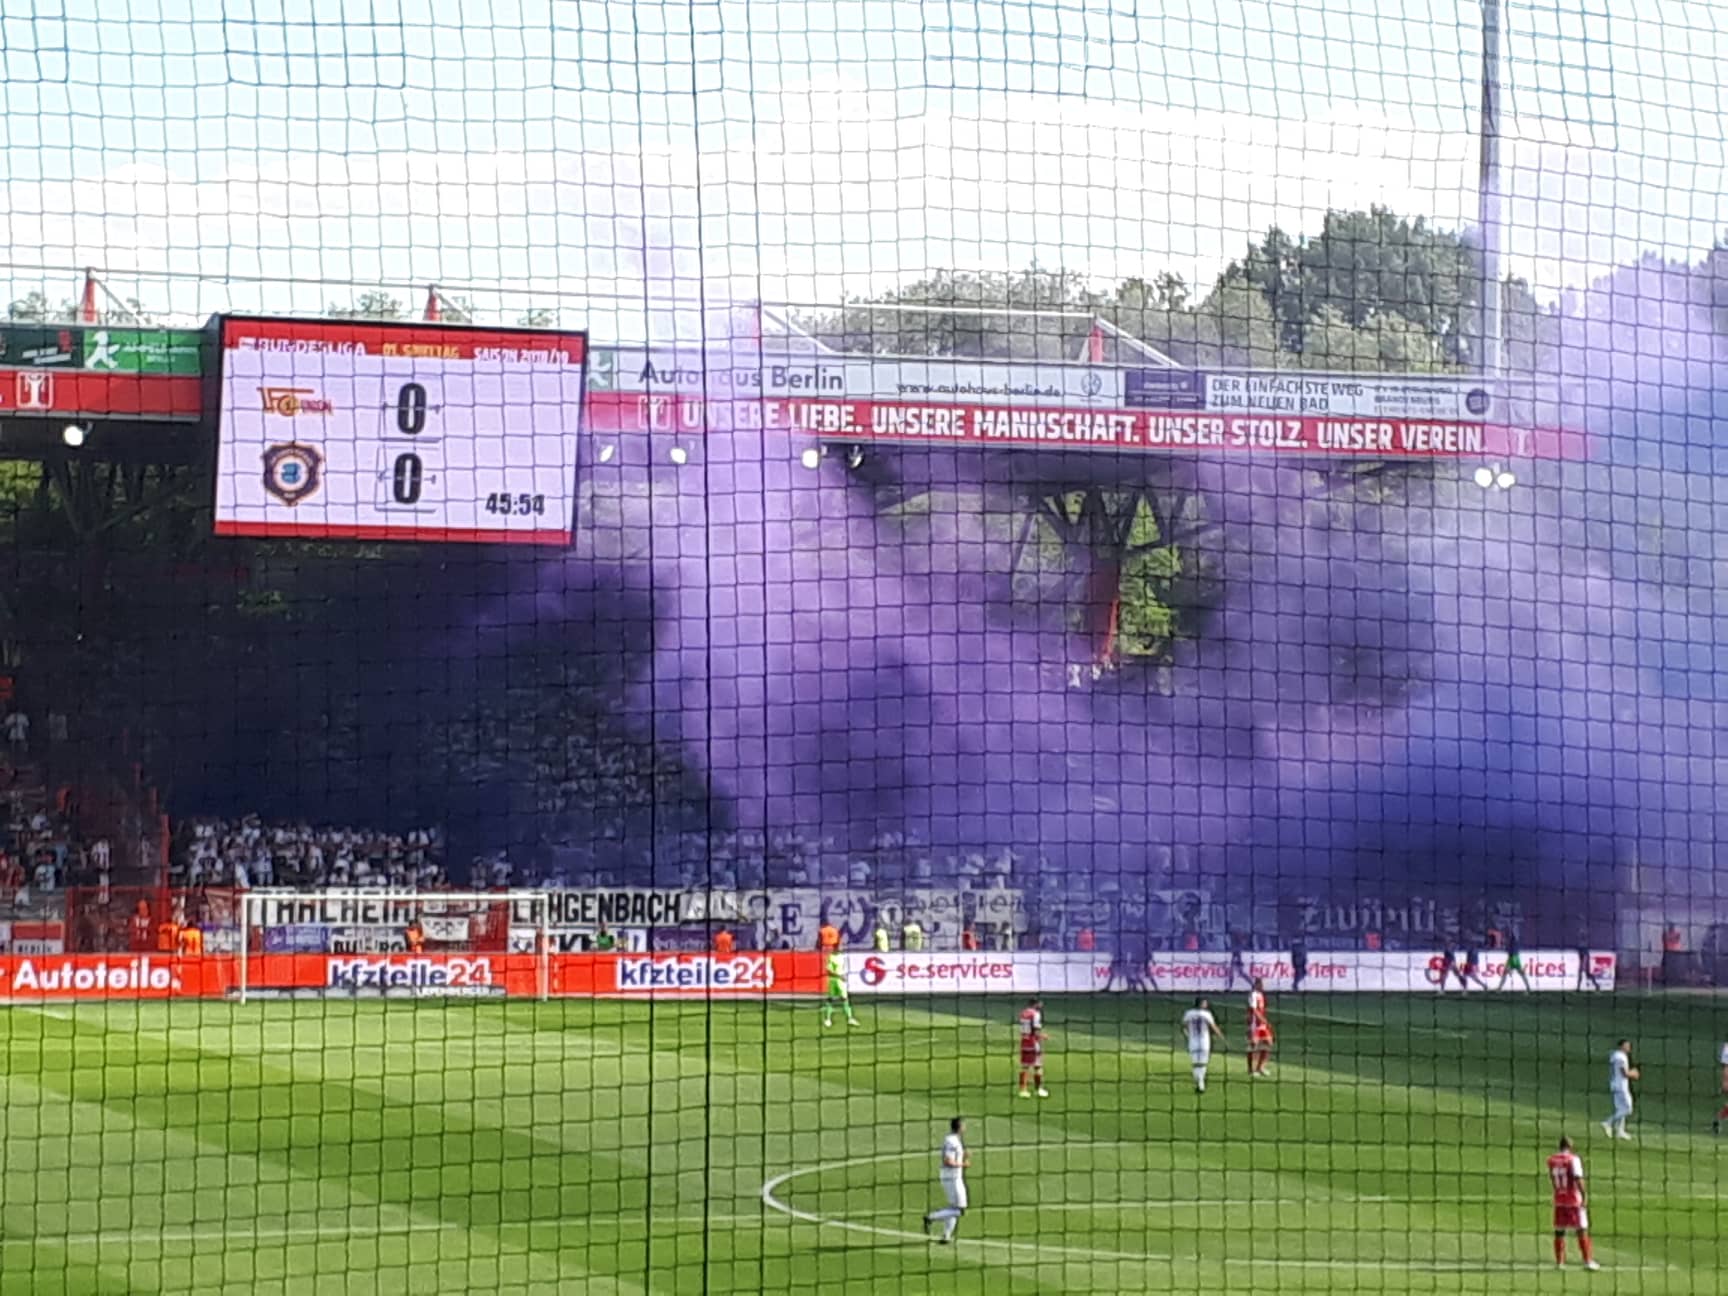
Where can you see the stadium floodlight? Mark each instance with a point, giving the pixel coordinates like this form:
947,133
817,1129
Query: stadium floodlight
73,435
1494,477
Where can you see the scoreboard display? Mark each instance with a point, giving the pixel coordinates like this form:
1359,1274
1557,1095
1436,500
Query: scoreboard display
383,431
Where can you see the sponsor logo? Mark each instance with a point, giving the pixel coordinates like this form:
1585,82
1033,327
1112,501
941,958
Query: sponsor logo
1164,389
418,974
291,401
35,390
292,472
65,975
1477,401
102,352
959,969
875,972
1093,386
749,972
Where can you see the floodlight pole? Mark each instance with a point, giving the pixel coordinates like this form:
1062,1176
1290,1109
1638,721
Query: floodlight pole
1488,196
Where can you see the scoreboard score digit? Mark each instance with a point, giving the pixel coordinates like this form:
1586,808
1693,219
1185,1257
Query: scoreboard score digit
386,431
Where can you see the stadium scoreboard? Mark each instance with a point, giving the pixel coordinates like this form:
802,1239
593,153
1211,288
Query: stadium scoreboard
368,430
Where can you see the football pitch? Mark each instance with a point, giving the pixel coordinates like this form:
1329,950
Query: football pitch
595,1147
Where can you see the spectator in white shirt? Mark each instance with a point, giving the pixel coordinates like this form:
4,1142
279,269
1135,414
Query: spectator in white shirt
17,727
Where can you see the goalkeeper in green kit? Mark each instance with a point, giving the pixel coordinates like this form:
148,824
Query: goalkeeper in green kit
836,994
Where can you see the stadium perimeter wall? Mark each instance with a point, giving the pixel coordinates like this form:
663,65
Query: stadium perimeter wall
34,978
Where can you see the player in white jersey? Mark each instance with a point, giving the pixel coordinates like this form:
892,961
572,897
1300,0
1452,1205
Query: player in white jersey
953,1177
1621,1074
1200,1028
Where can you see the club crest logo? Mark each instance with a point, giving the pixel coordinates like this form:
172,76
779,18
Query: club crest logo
289,401
35,390
292,472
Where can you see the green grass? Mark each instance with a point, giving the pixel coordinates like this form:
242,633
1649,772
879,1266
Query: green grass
599,1147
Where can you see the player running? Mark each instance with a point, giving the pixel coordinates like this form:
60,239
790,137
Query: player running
1032,1047
1722,1112
1200,1028
837,993
1471,969
1566,1174
1621,1074
1259,1030
953,1177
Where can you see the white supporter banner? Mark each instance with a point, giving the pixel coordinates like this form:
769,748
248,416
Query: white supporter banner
1037,972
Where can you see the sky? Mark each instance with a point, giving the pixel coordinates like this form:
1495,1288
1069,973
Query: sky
599,158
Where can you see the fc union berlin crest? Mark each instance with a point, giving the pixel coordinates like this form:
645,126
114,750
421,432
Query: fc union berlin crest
292,472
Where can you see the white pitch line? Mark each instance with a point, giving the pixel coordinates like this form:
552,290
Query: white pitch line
1097,1253
227,1232
1286,1011
173,1235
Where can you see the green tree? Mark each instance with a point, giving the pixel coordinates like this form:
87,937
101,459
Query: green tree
538,317
34,307
1388,344
376,305
1365,266
1236,326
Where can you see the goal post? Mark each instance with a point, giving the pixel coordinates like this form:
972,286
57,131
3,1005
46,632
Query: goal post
394,944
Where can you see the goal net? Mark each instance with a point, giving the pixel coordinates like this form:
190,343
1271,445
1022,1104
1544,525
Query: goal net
380,944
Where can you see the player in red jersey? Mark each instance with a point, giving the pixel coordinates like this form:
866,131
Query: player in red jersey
1032,1048
1259,1030
1566,1174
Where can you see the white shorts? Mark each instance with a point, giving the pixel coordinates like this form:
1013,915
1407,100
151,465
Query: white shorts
1622,1100
1200,1057
954,1189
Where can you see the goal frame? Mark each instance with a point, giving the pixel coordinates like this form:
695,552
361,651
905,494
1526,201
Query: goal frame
252,904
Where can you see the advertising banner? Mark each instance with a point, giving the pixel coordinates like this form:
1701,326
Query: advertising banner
144,351
1067,406
27,977
41,345
1179,973
109,976
975,973
518,975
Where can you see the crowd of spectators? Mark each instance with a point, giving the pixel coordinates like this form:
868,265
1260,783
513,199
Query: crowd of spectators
40,851
250,852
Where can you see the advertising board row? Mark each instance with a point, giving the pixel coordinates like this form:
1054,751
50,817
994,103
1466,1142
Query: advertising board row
1031,404
52,369
26,978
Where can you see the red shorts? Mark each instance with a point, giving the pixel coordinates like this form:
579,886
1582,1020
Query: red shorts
1260,1034
1031,1055
1570,1217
